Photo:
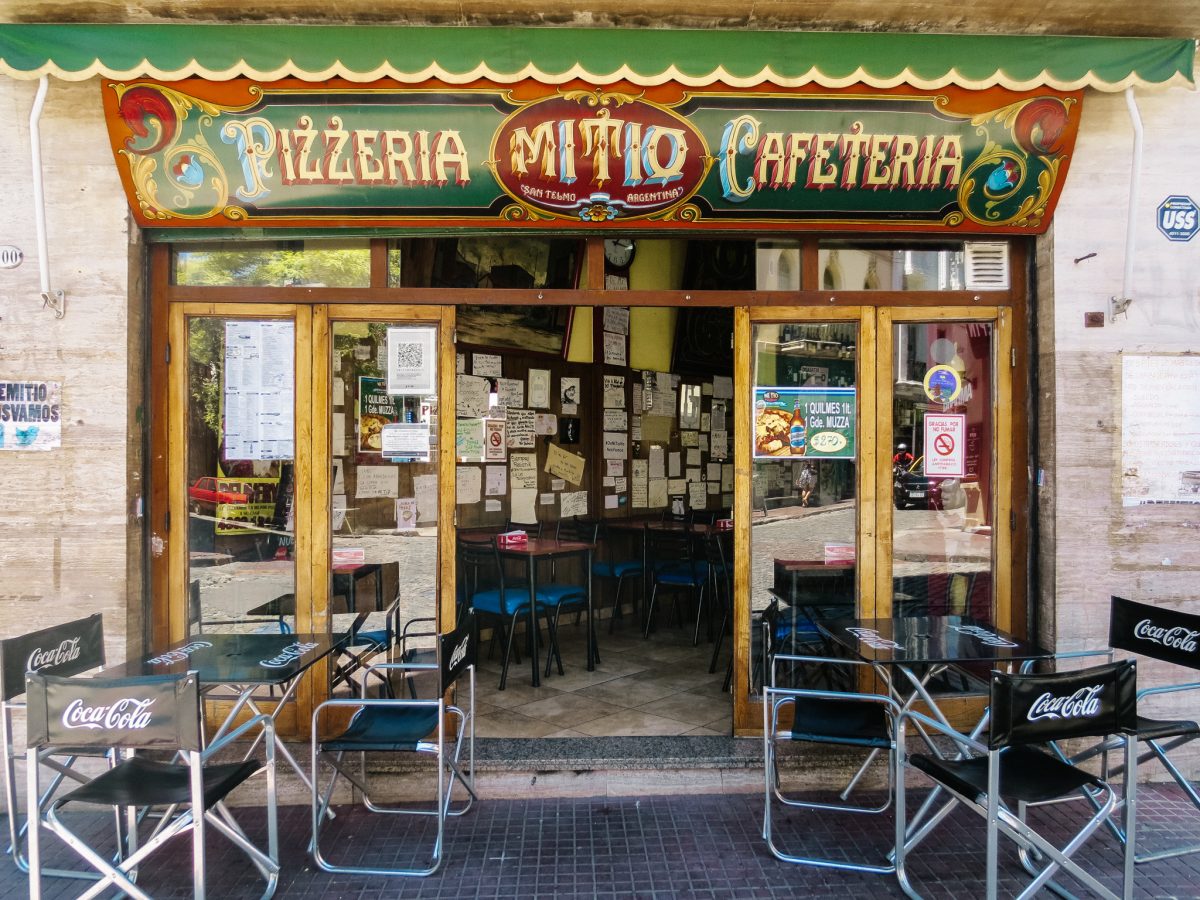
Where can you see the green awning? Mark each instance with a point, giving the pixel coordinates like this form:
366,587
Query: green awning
741,59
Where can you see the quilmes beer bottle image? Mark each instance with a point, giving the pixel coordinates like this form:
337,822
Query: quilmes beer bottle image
796,436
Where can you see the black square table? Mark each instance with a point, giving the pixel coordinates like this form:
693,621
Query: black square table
243,662
930,644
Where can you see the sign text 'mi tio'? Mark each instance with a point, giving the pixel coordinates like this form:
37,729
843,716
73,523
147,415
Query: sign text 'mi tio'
590,156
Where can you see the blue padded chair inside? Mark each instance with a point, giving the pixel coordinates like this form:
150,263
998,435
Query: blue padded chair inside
676,570
497,600
618,570
555,597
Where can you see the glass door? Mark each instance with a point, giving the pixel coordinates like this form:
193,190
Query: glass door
944,430
235,475
379,520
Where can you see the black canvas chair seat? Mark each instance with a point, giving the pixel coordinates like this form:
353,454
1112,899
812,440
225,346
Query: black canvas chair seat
842,722
1161,729
147,782
376,728
1026,776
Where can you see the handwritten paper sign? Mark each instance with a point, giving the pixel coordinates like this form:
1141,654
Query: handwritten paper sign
467,483
377,481
406,513
486,364
564,464
473,396
510,392
520,429
616,420
616,319
425,487
574,503
614,391
468,438
523,471
497,481
614,349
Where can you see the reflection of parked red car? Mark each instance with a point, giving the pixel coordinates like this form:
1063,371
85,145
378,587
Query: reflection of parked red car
212,491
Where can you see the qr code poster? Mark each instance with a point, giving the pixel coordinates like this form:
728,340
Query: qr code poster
411,361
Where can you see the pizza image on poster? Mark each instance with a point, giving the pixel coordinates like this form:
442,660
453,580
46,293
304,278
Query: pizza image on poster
811,422
375,410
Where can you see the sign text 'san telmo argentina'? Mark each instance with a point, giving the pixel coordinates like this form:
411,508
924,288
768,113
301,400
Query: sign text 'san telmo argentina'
941,162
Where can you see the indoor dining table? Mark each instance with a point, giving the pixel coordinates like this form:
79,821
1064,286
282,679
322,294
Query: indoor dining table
535,550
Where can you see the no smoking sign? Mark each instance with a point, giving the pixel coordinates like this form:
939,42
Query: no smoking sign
945,435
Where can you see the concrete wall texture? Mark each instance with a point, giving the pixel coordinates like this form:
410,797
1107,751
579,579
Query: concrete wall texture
65,515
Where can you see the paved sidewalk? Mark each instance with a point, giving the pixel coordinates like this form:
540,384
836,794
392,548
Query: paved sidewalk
658,847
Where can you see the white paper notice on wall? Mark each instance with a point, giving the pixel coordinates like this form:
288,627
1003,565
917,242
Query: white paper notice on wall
546,499
697,495
492,506
337,516
338,424
616,445
468,480
616,319
611,501
408,439
406,513
616,466
520,428
494,446
486,364
674,463
657,493
723,387
377,481
460,363
545,423
412,360
497,481
510,392
657,463
614,391
614,349
523,506
616,420
539,388
473,397
573,503
425,487
523,471
564,464
1160,429
568,389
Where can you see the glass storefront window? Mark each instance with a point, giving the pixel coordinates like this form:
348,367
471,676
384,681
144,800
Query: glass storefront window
942,467
486,262
273,264
886,266
240,475
384,487
803,540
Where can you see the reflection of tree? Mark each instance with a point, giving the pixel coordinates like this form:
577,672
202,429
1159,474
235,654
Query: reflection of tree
206,348
281,265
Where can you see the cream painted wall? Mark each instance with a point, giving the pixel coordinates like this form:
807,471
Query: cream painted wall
65,514
1101,548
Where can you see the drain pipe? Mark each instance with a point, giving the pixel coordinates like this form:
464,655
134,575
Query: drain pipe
56,300
1119,305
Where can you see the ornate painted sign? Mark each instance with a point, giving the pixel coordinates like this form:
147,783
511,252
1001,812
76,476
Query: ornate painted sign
200,153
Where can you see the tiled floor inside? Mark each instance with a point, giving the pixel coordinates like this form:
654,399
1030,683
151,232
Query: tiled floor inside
642,686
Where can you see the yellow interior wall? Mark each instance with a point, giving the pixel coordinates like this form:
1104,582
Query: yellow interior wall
657,266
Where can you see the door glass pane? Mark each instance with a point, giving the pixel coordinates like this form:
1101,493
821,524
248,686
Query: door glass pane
803,546
383,515
942,470
240,473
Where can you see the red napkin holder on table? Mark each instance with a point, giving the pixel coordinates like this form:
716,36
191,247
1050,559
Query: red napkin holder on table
513,539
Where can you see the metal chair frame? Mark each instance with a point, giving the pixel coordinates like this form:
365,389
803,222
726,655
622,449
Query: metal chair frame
774,700
455,656
177,699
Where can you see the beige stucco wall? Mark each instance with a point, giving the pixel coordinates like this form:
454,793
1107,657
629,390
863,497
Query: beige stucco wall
1099,547
66,516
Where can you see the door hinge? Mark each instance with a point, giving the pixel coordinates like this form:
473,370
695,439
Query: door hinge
454,336
168,353
167,520
1014,357
1012,520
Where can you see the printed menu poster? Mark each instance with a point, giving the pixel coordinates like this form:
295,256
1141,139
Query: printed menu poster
808,421
259,390
411,361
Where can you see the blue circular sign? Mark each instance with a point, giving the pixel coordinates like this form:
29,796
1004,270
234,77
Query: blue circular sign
1178,218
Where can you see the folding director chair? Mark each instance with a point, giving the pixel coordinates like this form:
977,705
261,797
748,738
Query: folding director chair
397,725
68,649
1027,710
1171,637
153,713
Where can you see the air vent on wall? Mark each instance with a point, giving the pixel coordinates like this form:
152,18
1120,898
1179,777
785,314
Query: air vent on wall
987,265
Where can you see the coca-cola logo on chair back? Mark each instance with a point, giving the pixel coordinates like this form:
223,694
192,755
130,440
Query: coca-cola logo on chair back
1165,634
1033,709
65,650
154,712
